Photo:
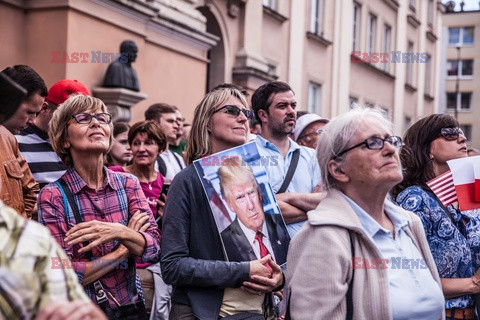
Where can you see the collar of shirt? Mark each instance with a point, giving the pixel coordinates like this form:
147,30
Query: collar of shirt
76,182
39,132
250,234
267,144
371,226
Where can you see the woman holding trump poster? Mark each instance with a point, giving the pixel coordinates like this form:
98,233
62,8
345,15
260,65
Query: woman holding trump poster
453,235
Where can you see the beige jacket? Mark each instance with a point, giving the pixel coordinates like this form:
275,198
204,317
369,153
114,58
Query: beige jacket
319,266
18,189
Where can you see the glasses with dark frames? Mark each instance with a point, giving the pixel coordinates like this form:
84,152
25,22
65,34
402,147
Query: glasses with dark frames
375,143
86,118
451,133
235,111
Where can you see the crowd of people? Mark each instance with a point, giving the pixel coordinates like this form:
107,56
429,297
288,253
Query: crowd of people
103,220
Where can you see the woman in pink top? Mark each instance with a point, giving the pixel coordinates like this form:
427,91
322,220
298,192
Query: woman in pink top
146,141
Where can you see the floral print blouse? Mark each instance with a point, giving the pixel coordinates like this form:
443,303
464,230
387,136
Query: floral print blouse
454,237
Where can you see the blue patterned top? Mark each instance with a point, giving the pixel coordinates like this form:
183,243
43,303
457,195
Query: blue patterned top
455,249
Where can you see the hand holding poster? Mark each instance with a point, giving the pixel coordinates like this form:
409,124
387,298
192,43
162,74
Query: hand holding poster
247,216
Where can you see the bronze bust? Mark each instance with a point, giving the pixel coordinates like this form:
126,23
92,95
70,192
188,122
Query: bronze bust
120,73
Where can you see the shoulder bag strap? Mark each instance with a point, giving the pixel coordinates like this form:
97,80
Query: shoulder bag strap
350,284
100,293
291,171
349,296
162,167
176,156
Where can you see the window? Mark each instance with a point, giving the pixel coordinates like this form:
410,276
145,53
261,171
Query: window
272,4
353,101
430,13
314,98
412,4
465,67
409,77
460,36
467,129
428,75
387,39
356,27
460,101
407,121
372,33
369,104
316,17
465,99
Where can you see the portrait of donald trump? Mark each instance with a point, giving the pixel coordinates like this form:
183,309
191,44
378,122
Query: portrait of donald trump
253,233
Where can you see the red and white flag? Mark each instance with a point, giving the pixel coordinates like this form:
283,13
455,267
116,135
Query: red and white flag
464,178
444,188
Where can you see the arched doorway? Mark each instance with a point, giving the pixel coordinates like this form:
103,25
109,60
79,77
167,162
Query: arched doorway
216,67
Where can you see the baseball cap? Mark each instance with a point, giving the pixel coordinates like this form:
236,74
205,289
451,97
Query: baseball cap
304,121
62,89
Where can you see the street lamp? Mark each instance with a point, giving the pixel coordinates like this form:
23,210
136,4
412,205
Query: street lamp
457,82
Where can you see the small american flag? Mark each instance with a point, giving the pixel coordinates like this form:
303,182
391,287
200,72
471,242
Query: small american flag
444,188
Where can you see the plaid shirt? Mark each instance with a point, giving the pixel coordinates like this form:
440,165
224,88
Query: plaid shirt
26,253
116,201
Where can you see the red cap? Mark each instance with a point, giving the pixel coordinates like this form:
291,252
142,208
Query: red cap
61,90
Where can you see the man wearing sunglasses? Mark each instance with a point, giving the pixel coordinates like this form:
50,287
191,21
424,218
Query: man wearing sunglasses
274,105
33,141
19,189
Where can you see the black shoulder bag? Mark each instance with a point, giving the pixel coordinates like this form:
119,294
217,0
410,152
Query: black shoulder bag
131,311
290,172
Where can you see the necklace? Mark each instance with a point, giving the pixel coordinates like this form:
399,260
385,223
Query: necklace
149,185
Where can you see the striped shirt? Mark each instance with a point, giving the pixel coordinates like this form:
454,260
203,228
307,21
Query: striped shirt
44,163
27,251
119,197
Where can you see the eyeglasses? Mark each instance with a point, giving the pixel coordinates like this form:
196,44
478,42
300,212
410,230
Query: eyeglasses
235,111
375,143
86,118
318,132
451,133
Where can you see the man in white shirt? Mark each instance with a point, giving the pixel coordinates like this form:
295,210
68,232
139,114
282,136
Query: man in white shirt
168,163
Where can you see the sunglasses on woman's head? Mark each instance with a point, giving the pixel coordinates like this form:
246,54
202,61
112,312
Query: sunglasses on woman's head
235,111
451,133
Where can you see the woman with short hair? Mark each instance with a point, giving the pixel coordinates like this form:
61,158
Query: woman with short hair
348,261
117,226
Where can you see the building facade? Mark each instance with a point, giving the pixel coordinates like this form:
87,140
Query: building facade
460,95
333,53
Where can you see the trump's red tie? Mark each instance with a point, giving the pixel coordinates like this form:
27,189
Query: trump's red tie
263,248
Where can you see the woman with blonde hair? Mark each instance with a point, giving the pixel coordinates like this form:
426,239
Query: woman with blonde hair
99,217
206,286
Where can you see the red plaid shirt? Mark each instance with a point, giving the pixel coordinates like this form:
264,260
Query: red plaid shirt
116,201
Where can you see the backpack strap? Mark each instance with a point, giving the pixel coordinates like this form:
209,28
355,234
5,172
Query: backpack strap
291,171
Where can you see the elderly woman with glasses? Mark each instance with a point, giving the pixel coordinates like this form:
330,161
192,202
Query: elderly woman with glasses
205,285
99,217
360,256
453,235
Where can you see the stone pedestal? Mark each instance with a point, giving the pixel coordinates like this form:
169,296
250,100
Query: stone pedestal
119,101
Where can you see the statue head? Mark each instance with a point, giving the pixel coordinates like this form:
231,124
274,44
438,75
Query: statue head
129,47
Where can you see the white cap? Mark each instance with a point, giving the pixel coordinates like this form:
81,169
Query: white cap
304,121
